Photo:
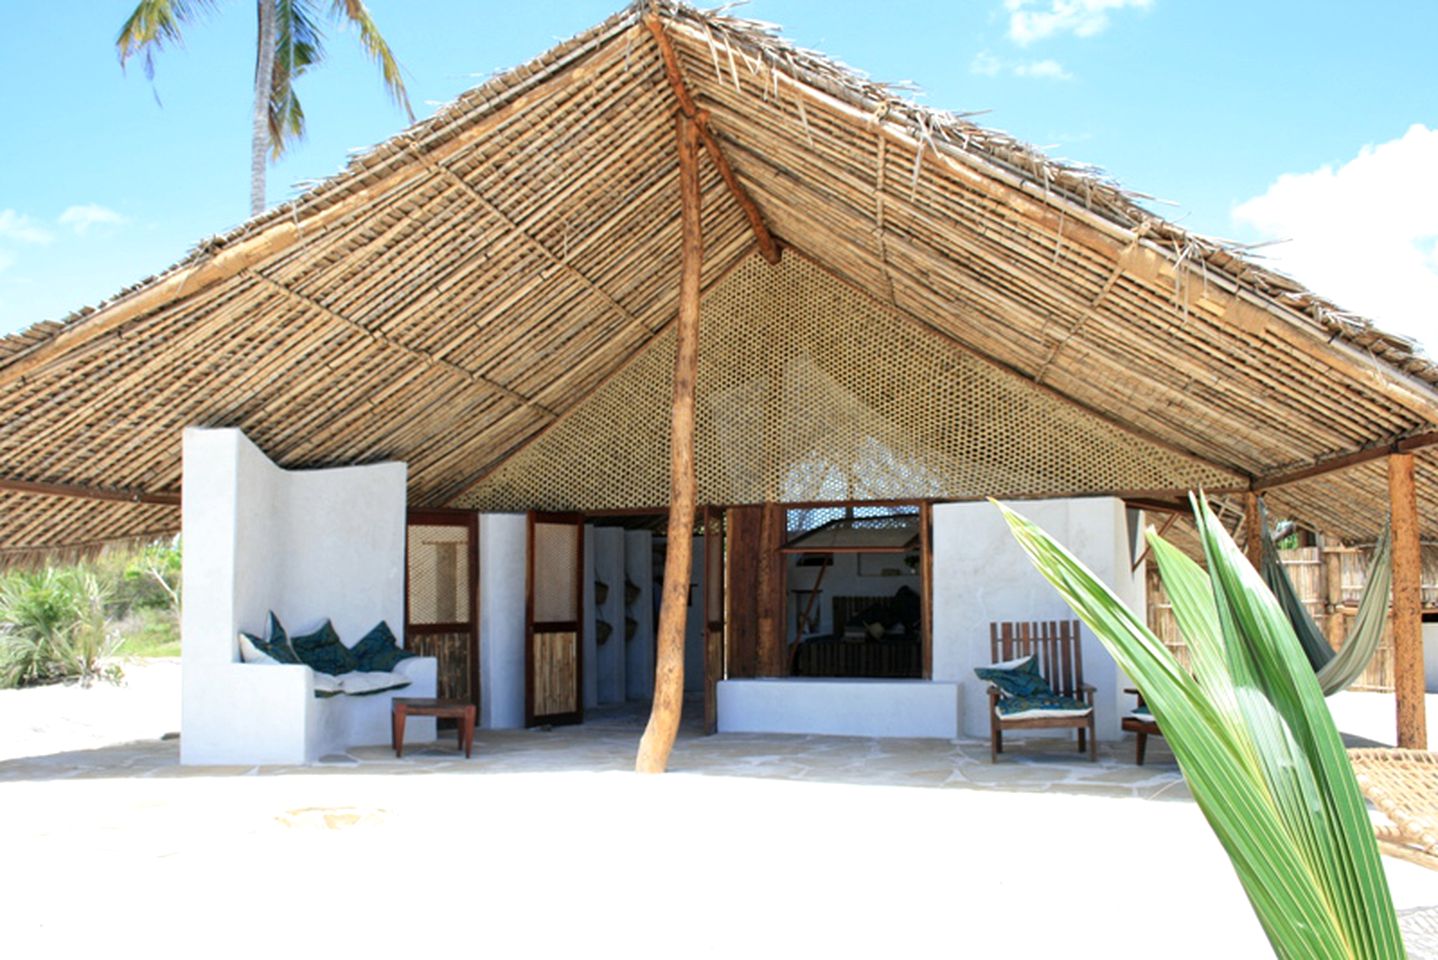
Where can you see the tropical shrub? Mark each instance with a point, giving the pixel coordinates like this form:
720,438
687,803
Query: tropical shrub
1253,735
53,626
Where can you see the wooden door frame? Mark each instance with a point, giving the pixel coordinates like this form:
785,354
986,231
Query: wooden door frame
576,626
445,517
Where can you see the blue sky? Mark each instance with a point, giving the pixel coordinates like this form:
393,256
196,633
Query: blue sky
1313,121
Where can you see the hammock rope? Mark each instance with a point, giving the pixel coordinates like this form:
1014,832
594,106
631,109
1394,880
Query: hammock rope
1335,670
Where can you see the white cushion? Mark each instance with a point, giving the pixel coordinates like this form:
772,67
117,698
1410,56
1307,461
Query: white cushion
359,683
327,683
1047,712
249,653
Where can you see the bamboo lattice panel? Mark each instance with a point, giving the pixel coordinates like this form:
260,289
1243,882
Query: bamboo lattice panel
439,574
810,390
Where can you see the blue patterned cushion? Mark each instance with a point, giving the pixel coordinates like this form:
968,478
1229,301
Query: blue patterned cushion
276,644
378,651
1040,703
1020,680
323,651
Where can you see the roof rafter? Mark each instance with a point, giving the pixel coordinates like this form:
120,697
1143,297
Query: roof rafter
768,246
429,359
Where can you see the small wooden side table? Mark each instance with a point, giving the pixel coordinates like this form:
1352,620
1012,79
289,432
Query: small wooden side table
459,710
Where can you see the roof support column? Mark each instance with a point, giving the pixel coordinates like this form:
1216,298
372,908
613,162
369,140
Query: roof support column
1407,604
1252,531
663,726
772,606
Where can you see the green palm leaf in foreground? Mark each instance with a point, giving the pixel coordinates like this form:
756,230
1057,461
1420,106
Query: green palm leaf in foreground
1254,738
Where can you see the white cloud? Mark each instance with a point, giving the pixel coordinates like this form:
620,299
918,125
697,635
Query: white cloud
1030,20
985,64
20,228
6,261
1042,70
84,216
1364,235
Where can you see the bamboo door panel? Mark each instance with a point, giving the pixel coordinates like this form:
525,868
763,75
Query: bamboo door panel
441,619
554,653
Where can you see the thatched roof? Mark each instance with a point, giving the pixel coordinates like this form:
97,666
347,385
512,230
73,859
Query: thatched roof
461,292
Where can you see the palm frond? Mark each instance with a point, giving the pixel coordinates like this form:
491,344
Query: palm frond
1251,731
153,24
299,45
376,46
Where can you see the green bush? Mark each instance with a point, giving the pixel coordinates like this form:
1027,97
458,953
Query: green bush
54,626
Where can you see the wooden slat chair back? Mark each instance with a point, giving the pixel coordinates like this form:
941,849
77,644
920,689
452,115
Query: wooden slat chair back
1055,643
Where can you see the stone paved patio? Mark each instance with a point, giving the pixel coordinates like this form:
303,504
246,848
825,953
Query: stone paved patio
765,844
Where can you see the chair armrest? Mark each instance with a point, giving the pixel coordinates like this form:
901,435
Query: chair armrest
1088,690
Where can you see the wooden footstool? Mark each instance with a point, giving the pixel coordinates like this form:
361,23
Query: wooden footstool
430,707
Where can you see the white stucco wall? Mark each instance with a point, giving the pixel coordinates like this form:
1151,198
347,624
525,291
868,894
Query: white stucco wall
308,545
586,624
503,557
1430,657
843,707
639,651
982,575
609,662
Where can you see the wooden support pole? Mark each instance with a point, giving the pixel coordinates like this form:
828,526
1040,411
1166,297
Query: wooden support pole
663,726
1252,526
1407,604
771,592
1335,628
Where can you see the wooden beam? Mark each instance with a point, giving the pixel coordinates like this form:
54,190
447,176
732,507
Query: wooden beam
1408,682
89,493
772,599
663,726
768,246
1378,451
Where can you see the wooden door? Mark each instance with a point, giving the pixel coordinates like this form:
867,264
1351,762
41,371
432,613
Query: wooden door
442,597
554,638
713,614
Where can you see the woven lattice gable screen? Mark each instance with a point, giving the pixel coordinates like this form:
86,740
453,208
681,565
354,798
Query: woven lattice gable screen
809,390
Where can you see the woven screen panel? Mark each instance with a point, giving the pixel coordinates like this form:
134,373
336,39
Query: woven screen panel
556,556
810,390
438,574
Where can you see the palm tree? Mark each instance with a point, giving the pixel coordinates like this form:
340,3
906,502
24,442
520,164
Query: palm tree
289,43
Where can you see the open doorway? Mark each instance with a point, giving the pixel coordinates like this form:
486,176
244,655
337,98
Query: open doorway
857,591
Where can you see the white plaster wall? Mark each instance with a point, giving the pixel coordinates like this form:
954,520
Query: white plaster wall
982,575
841,707
307,545
590,672
639,651
1430,657
503,557
609,568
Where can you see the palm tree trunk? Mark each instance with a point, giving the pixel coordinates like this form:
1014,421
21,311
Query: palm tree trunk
260,122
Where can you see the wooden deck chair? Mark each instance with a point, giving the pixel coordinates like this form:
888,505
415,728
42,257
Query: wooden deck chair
1055,645
1142,723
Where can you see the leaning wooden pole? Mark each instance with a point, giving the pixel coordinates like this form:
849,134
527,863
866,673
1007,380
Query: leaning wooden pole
663,724
1407,604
